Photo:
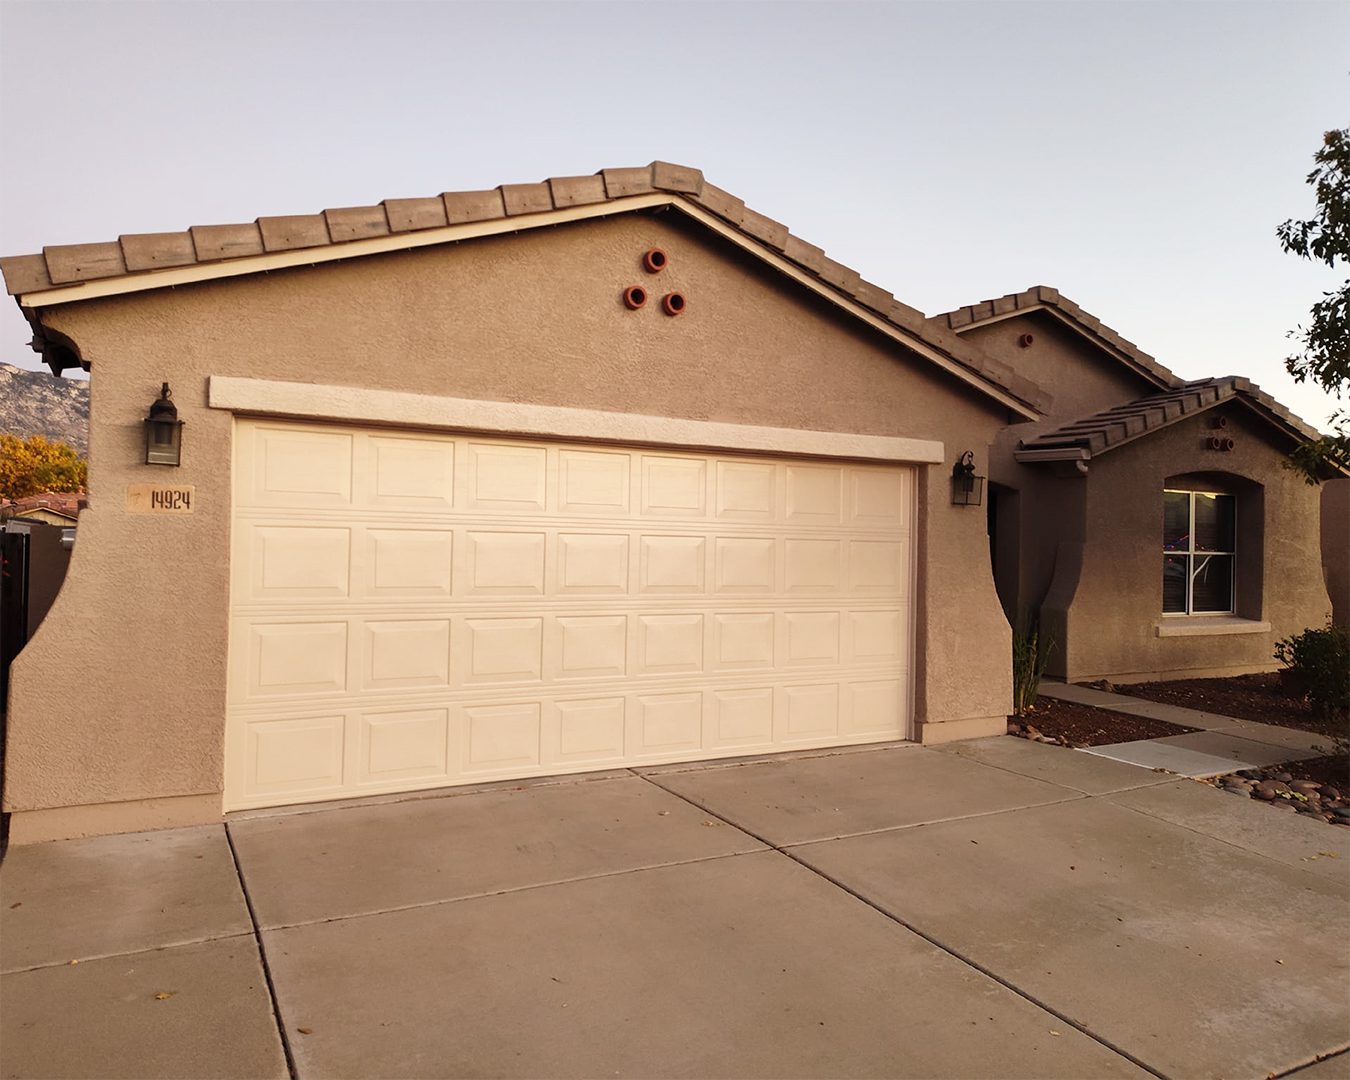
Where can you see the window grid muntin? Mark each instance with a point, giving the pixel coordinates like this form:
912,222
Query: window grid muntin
1190,553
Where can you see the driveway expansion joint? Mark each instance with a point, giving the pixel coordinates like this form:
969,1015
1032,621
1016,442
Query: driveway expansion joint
786,852
93,957
291,1070
487,894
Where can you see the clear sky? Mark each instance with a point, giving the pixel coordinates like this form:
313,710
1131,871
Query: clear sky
1138,156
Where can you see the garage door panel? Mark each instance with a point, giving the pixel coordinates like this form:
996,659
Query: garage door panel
295,756
807,713
811,638
878,636
295,659
501,739
291,466
746,491
674,486
878,566
403,745
504,563
594,482
588,647
409,563
503,650
880,497
741,641
406,654
670,644
745,564
298,562
673,564
666,725
462,607
593,564
812,565
873,707
587,731
416,474
507,479
742,719
814,494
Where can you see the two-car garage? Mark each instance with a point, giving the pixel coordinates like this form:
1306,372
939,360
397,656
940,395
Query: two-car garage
413,610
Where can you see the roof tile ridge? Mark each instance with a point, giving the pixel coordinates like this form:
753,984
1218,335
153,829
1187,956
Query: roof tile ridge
267,234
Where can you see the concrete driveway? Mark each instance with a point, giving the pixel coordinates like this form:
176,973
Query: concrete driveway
991,909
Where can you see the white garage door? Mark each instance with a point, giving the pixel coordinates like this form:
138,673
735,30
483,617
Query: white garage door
412,610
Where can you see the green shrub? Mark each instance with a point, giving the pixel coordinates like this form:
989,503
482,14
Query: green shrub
1319,661
1030,655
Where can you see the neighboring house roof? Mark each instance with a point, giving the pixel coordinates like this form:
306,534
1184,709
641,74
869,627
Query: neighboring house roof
1048,299
1104,431
70,272
66,504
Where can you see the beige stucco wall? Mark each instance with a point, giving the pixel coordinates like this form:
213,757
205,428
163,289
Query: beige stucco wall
529,318
1077,376
1336,546
1105,607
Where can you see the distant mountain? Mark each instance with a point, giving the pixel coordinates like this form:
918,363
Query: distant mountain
35,403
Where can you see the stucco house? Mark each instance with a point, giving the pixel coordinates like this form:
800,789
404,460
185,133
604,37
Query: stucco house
1147,523
555,477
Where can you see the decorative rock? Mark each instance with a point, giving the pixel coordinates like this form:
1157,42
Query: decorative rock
1268,794
1329,792
1304,787
1282,777
1250,774
1342,812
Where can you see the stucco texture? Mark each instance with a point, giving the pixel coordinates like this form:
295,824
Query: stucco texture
1104,604
1077,377
1336,546
534,318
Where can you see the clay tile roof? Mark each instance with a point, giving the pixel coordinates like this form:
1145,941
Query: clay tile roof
206,244
1120,424
1046,298
66,503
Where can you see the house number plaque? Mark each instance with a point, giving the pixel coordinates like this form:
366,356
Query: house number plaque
161,498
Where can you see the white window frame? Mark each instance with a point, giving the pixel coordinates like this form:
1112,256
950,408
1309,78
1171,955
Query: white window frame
1190,555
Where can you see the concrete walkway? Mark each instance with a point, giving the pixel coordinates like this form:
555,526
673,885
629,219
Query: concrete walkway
994,908
1224,744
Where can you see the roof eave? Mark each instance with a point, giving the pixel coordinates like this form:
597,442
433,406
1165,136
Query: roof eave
34,301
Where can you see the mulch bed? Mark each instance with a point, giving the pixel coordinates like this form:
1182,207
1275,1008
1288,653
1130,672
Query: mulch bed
1068,724
1262,698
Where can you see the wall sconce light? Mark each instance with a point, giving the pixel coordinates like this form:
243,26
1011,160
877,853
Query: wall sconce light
967,488
163,431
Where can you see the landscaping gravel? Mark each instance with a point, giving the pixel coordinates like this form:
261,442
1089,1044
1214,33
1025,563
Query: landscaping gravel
1282,789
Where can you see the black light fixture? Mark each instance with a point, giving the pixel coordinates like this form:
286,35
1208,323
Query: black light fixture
967,488
163,431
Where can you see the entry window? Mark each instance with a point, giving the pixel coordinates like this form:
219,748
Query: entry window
1198,552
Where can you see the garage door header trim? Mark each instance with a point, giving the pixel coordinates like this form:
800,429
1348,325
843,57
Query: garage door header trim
308,401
